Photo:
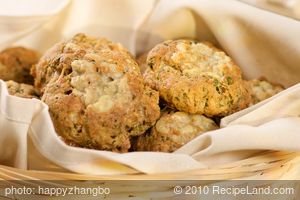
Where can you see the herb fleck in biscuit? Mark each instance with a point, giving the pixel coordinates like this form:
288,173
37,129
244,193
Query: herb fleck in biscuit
15,64
196,78
96,94
173,130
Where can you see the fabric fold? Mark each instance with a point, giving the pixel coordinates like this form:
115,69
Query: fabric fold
246,33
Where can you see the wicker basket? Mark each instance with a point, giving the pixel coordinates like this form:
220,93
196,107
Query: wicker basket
268,165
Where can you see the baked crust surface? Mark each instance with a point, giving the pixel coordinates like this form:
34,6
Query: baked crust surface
173,130
95,93
262,89
15,64
196,78
21,90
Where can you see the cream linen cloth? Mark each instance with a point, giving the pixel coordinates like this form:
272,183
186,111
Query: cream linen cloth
262,43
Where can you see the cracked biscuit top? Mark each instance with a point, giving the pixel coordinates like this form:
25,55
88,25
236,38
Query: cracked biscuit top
173,130
196,78
60,57
96,94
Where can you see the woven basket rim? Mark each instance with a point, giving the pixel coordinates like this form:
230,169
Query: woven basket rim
256,166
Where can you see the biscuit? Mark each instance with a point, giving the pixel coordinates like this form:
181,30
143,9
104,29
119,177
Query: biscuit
262,89
173,130
21,90
15,64
196,78
58,59
96,95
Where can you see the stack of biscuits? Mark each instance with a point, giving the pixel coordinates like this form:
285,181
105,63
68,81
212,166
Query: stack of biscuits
101,97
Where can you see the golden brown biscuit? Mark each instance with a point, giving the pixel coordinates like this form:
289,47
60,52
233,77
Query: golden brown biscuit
58,59
15,64
21,90
196,78
173,130
262,89
96,96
